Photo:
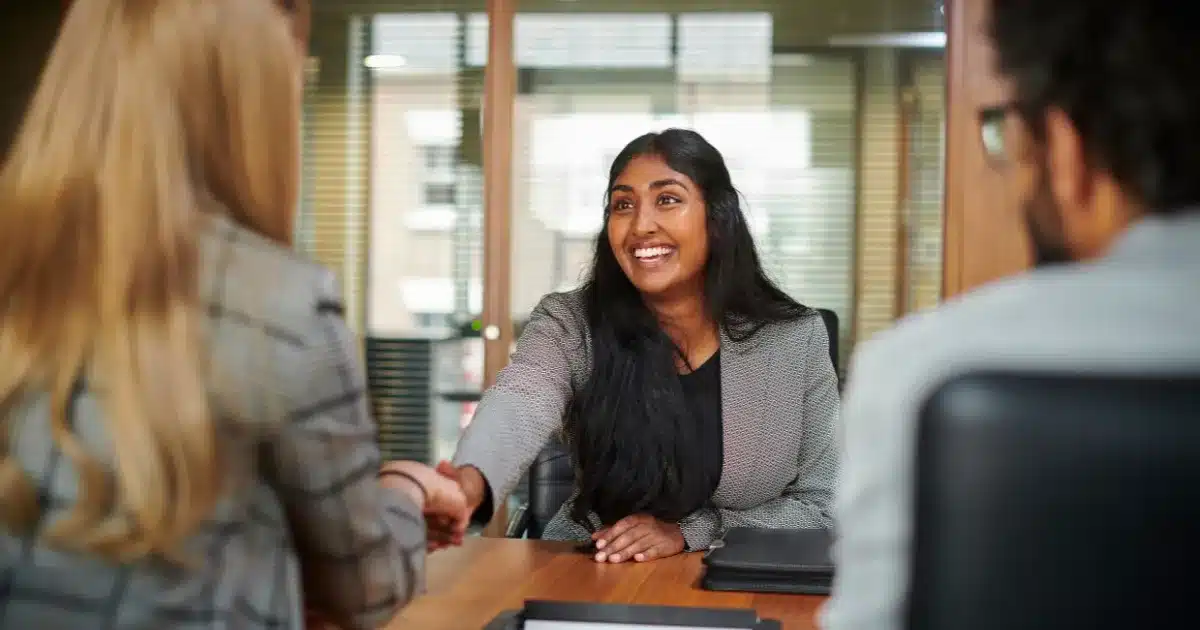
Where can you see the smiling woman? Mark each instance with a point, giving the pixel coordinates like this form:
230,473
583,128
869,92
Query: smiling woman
693,393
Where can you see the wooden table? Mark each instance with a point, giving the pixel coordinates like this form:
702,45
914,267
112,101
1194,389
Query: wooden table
468,586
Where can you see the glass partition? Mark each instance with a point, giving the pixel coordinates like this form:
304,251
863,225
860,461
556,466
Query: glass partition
830,113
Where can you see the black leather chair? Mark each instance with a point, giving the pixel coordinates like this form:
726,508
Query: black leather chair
1057,502
831,328
551,482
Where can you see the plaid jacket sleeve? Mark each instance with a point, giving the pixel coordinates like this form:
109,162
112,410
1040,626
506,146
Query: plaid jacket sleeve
361,546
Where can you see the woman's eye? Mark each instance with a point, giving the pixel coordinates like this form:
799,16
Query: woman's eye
667,200
622,204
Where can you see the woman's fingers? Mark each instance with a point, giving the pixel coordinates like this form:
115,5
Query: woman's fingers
636,547
617,549
615,530
660,549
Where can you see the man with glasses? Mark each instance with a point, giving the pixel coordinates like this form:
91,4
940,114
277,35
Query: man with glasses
1100,150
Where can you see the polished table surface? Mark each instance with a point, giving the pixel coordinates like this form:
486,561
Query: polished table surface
468,586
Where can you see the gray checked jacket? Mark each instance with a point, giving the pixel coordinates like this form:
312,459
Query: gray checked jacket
300,460
779,409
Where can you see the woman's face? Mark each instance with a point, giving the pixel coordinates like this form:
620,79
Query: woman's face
658,228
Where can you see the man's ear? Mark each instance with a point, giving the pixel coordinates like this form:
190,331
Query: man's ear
1066,162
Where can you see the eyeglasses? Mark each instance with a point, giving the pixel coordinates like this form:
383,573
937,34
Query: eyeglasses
992,121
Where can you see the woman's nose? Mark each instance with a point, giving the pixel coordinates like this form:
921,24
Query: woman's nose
644,220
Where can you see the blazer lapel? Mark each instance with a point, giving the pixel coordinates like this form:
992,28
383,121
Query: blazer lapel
745,381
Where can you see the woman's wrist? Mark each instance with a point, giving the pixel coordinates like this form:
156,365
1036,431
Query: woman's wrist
473,486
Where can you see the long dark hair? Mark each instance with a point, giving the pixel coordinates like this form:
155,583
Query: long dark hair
634,441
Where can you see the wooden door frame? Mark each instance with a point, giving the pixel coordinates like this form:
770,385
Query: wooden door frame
983,238
499,94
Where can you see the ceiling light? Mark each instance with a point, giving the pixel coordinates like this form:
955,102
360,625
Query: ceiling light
385,61
933,39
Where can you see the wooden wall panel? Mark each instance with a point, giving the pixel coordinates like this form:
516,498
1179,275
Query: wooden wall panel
983,232
499,94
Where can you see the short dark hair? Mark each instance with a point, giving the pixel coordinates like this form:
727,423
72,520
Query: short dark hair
1127,74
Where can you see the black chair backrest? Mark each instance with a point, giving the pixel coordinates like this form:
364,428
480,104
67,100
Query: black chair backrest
551,482
1057,501
831,328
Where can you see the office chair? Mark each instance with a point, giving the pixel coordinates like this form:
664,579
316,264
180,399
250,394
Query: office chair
1057,502
551,482
830,319
551,478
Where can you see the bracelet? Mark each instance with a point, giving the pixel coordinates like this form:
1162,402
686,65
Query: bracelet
404,475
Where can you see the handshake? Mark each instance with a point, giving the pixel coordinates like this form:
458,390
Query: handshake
447,496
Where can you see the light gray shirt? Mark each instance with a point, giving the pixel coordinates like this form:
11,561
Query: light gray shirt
1138,309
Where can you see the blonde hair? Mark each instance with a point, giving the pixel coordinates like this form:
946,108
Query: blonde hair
149,114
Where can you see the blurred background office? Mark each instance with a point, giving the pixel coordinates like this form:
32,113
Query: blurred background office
832,114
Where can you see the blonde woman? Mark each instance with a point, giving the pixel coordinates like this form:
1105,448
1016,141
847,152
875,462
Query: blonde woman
185,433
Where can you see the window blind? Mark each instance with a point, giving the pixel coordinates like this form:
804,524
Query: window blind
426,208
393,201
333,193
426,195
879,204
784,122
928,172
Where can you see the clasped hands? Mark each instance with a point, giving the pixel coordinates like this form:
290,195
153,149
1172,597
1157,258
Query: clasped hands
445,506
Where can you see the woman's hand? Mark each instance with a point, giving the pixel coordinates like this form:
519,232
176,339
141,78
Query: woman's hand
640,538
473,487
445,504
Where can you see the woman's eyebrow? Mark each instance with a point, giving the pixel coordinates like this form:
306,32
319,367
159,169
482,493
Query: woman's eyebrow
654,185
663,183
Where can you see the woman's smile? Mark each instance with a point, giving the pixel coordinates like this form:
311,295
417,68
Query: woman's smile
654,256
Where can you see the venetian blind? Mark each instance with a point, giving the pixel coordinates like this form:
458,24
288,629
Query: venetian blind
926,192
590,82
333,193
785,122
393,202
426,205
879,214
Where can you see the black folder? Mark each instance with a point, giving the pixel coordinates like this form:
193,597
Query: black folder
758,560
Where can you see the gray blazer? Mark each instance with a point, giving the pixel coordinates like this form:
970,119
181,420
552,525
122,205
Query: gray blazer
779,409
299,454
1138,309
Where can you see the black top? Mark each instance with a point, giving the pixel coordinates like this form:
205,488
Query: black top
702,389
